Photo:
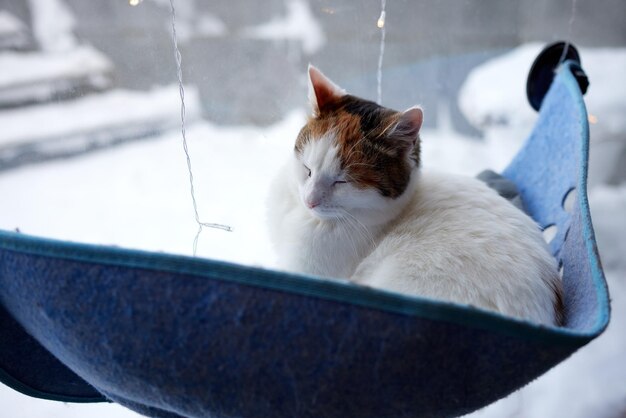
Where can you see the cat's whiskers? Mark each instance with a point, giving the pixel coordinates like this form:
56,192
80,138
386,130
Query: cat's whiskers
362,229
345,221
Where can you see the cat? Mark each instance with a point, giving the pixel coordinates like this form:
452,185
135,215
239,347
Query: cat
353,203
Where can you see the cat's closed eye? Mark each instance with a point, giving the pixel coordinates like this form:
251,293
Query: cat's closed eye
339,182
308,170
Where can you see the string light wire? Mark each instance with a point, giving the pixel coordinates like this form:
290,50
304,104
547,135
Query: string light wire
379,76
181,89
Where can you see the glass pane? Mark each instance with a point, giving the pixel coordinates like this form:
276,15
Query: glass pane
91,148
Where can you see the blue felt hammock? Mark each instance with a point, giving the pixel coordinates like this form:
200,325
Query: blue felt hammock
173,336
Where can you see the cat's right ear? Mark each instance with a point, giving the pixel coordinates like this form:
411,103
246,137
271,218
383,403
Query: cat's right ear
322,91
408,126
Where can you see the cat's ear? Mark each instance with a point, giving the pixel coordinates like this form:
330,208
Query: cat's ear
322,91
408,125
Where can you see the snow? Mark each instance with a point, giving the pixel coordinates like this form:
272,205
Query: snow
445,149
136,195
156,109
494,95
209,25
39,75
53,24
33,67
488,99
608,204
9,24
299,24
13,32
191,23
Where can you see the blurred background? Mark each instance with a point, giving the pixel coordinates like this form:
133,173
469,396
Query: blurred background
91,151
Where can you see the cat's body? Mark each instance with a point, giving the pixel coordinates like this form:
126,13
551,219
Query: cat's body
353,204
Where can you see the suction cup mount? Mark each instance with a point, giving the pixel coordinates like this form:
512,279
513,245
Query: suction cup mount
544,69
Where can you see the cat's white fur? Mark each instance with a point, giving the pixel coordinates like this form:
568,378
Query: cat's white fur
446,237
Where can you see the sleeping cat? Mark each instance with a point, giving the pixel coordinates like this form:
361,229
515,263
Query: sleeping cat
352,203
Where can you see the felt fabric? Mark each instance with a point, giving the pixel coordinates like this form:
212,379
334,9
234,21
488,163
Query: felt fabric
554,162
172,336
28,367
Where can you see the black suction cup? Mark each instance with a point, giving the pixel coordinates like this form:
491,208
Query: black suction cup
543,69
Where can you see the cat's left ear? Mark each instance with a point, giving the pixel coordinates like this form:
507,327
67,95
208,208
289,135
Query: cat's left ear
408,126
322,91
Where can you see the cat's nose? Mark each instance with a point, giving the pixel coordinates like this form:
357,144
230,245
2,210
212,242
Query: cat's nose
311,204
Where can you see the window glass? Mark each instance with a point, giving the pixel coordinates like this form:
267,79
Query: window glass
91,145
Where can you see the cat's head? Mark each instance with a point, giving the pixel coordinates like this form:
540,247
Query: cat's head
354,158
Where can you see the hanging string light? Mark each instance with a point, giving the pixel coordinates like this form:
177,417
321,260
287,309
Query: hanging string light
181,89
379,76
381,20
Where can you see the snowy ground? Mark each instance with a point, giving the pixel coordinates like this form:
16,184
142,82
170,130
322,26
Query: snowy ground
137,196
35,76
54,130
